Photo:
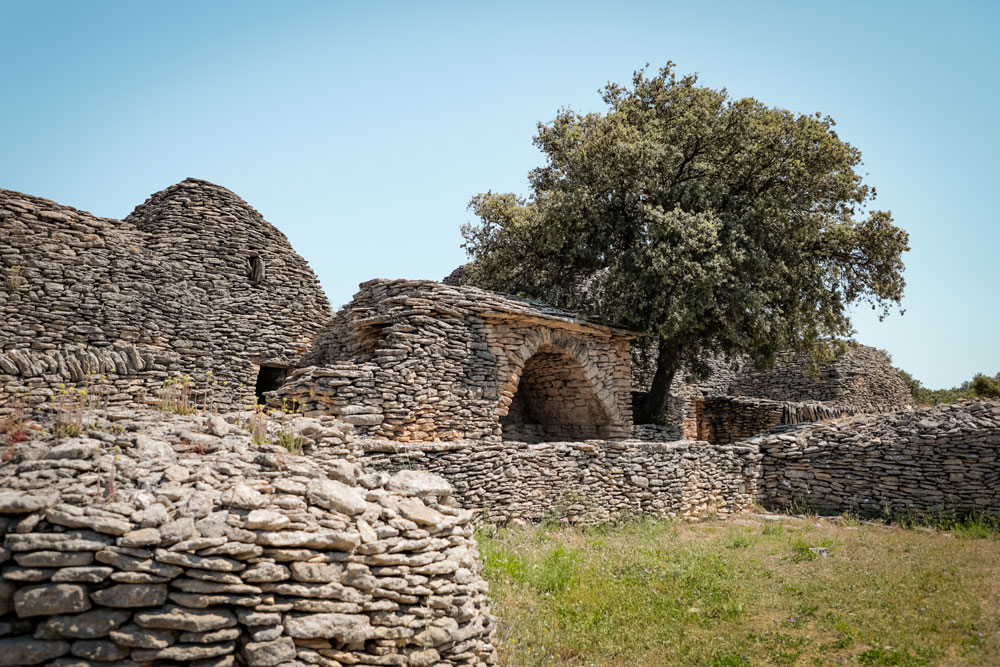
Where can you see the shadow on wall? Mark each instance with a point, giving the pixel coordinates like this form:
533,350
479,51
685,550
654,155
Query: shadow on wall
555,401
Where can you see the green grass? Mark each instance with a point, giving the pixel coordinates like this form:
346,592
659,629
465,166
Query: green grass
714,593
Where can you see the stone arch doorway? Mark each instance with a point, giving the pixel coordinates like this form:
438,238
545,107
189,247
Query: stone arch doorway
555,401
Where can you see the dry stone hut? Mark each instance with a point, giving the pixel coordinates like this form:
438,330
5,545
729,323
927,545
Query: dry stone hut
422,361
194,281
736,402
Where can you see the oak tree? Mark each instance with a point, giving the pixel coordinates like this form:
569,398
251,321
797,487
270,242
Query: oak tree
711,224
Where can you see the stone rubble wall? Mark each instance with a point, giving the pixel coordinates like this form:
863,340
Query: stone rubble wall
446,363
727,419
343,390
120,305
153,539
944,459
581,482
862,381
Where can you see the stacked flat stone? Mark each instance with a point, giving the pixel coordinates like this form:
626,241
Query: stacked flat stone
726,419
942,459
862,381
420,361
119,305
156,539
581,482
736,401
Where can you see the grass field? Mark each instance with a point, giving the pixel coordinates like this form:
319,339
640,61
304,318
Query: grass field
729,594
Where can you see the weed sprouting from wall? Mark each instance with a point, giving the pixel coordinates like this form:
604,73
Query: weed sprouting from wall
274,426
14,279
69,405
175,395
12,427
288,437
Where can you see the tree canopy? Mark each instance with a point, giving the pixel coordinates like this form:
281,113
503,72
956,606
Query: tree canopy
713,225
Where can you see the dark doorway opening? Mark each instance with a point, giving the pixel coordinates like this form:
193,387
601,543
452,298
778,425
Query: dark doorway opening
555,401
270,378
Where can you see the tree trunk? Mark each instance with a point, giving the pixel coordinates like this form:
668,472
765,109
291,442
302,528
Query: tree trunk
659,394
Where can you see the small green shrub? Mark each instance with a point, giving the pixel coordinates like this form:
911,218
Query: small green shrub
772,528
291,441
984,386
68,404
556,570
802,551
977,526
500,563
738,540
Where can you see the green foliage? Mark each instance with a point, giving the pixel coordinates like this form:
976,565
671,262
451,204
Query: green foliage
981,386
556,570
802,550
712,224
972,525
986,387
659,593
175,395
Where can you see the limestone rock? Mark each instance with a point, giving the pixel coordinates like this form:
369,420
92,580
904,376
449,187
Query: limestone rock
342,627
18,651
88,625
51,599
173,617
333,495
269,654
131,595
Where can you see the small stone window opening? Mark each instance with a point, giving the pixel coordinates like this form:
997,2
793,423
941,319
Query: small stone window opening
255,270
270,378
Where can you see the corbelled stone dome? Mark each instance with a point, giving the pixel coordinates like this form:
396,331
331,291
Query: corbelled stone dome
193,280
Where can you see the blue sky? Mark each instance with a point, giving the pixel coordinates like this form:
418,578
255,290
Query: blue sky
362,130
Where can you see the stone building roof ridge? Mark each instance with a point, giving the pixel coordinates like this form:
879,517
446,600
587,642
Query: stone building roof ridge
44,203
482,302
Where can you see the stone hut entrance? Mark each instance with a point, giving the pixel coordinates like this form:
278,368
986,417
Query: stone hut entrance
555,401
269,378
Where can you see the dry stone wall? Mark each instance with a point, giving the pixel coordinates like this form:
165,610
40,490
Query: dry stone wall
421,361
725,419
944,459
193,282
582,482
174,540
861,382
735,401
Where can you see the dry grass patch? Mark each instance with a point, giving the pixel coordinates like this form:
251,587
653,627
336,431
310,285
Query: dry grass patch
728,595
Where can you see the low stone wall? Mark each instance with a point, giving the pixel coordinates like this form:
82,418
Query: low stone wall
862,381
940,460
159,540
343,390
583,482
726,419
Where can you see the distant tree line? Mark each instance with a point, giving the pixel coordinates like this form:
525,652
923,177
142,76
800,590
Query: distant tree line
980,386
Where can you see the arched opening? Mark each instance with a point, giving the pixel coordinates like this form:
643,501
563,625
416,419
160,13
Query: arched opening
269,378
554,401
